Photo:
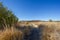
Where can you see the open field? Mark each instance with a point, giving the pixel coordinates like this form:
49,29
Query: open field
22,23
32,31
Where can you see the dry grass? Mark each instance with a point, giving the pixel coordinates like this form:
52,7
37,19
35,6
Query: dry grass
50,31
10,34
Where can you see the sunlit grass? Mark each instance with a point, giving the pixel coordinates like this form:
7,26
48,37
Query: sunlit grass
11,34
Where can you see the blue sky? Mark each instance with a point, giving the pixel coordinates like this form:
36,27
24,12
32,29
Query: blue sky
34,9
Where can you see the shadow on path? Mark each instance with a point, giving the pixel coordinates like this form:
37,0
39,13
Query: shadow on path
36,33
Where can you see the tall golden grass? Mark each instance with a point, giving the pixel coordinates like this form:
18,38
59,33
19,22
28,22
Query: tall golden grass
11,34
50,31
